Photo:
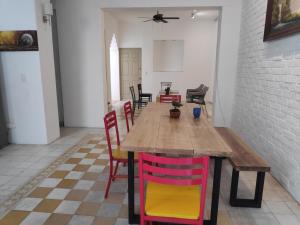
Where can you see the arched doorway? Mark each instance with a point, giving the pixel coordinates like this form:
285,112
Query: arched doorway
114,70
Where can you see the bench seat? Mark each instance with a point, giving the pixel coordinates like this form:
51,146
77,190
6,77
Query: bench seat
244,158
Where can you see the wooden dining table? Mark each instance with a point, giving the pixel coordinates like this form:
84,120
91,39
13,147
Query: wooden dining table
155,132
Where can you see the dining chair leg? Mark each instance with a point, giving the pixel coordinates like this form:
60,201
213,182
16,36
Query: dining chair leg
116,170
205,110
109,179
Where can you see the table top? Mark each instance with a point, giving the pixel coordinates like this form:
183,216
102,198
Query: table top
154,131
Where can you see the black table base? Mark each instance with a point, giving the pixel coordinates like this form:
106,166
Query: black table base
135,219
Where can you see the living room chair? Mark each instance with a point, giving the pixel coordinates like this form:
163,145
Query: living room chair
144,96
200,99
135,101
172,190
115,155
193,92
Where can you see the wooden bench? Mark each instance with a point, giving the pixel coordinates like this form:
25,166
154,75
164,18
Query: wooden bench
244,159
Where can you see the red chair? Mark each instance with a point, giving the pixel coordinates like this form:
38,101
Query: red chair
115,155
128,112
169,98
175,189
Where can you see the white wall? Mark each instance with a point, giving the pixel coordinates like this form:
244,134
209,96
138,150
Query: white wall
228,46
81,41
81,32
200,42
267,101
27,78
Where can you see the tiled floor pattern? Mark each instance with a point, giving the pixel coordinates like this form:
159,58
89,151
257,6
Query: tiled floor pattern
20,163
72,194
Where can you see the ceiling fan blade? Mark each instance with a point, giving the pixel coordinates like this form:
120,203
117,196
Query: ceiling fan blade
143,17
147,20
164,21
171,18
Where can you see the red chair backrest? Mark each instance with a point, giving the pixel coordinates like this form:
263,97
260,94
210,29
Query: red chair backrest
187,172
110,121
169,98
128,112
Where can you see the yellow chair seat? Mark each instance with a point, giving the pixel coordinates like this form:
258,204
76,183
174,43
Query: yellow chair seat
118,154
172,201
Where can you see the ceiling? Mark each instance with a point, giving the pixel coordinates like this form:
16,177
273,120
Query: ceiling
132,14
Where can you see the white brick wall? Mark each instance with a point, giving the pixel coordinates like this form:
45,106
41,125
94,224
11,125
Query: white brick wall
266,112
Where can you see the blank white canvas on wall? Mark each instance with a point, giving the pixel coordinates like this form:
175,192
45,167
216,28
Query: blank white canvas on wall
168,55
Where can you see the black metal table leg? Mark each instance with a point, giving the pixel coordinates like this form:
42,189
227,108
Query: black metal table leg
215,192
132,218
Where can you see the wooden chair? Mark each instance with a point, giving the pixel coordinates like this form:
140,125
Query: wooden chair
142,95
115,155
175,189
169,98
135,101
128,113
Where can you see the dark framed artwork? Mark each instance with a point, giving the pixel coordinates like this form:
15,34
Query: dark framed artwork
23,40
282,19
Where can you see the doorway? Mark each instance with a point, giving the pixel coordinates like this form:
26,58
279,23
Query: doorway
114,70
130,70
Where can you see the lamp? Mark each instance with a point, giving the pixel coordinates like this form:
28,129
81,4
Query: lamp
197,14
47,12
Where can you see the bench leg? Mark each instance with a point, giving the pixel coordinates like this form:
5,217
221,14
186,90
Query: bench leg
252,203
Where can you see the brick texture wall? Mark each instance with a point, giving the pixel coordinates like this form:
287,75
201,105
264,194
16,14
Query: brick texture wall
267,97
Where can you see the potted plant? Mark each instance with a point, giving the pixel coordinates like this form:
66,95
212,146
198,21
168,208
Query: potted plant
175,112
167,90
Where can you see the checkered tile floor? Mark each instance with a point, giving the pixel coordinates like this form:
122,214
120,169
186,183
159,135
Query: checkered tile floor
74,193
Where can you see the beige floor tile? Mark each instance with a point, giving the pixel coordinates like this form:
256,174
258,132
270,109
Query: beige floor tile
101,146
99,186
117,198
90,176
88,209
73,161
81,168
77,195
104,221
123,212
40,192
58,219
47,205
93,142
92,155
14,218
102,162
59,174
67,183
84,150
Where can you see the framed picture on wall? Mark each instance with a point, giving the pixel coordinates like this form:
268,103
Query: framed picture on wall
282,19
24,40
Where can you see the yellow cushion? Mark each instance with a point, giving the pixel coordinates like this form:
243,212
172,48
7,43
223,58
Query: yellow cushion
172,201
118,154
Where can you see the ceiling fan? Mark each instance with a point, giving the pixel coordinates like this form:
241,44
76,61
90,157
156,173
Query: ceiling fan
159,18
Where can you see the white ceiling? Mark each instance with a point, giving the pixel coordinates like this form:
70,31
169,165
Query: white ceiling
132,14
